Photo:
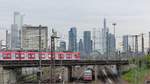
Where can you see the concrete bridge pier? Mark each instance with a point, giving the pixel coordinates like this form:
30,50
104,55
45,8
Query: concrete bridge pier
69,73
7,76
1,75
118,67
96,72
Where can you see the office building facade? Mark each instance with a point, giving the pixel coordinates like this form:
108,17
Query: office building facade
62,46
87,42
16,31
30,37
125,43
72,40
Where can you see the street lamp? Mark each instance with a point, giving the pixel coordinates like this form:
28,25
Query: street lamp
114,24
40,68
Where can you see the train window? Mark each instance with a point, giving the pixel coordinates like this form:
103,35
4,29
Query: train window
9,55
75,55
32,55
4,55
49,55
17,55
43,56
22,55
68,55
29,55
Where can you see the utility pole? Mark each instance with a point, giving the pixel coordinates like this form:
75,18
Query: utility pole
136,44
40,68
52,68
107,45
149,40
142,44
6,40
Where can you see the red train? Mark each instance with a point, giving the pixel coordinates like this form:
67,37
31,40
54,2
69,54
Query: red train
37,55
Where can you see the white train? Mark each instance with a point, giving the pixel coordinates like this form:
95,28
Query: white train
12,55
87,75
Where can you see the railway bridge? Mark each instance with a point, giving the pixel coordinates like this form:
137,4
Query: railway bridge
12,65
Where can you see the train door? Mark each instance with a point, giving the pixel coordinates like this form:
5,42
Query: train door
68,56
61,56
76,56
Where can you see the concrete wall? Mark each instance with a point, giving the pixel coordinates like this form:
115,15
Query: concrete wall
7,76
1,75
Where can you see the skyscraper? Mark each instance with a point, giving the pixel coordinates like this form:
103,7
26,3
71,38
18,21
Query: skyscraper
62,46
87,42
16,31
18,20
105,32
14,37
81,48
111,43
125,43
72,39
8,43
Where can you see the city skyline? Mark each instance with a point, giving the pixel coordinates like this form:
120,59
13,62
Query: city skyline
130,20
83,17
74,41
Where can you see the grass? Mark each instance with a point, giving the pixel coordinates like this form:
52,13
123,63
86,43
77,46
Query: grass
136,75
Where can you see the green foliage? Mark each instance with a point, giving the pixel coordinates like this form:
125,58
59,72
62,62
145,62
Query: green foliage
137,74
129,76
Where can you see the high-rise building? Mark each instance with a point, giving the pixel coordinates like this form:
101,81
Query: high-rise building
111,43
104,43
125,43
30,37
87,42
62,46
16,31
14,37
108,41
81,48
18,20
72,39
8,40
91,45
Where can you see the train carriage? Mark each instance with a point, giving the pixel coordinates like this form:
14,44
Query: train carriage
14,55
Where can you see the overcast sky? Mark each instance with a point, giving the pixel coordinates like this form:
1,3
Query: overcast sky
131,16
